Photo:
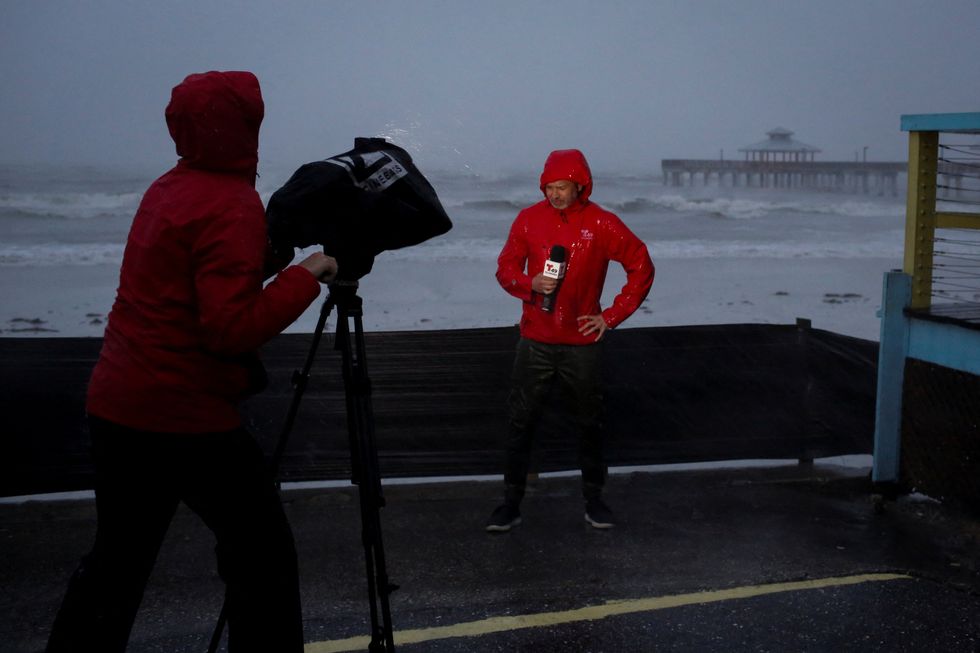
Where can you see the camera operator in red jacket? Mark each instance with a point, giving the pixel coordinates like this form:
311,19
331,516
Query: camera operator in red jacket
179,353
561,342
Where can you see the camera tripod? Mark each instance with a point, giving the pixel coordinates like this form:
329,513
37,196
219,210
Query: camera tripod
365,473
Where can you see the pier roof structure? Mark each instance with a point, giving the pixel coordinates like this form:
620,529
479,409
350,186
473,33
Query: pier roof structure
780,146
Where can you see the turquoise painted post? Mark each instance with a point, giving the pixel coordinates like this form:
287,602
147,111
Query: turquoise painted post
892,351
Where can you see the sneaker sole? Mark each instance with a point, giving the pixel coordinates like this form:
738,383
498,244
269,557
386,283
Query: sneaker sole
494,528
598,524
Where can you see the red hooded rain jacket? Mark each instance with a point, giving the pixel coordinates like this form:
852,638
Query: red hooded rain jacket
591,237
191,311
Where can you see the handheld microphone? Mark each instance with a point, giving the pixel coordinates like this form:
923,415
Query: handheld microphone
554,268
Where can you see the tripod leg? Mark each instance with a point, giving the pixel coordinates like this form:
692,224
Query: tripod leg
299,381
365,474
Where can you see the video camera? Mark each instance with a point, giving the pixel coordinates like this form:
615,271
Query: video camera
356,205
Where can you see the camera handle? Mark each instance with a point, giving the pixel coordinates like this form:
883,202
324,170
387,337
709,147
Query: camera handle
365,473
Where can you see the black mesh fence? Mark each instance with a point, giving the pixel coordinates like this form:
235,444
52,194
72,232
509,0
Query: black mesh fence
673,394
940,453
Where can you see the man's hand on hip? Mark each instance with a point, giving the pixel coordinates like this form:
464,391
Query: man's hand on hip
589,324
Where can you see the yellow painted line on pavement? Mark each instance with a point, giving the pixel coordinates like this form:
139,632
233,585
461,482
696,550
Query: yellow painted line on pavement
594,612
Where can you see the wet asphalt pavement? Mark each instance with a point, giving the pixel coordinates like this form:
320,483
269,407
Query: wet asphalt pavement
787,558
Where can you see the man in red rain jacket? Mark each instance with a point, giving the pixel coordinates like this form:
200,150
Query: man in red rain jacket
179,353
563,344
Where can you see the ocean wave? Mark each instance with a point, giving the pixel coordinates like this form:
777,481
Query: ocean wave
50,254
69,205
511,207
745,208
721,207
780,250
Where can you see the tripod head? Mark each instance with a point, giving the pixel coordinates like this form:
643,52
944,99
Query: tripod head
343,295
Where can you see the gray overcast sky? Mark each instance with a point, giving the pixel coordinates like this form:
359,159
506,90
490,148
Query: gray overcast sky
489,85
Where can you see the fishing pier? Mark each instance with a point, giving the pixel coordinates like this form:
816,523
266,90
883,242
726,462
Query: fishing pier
880,178
783,162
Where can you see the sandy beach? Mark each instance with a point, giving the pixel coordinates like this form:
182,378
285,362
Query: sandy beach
839,295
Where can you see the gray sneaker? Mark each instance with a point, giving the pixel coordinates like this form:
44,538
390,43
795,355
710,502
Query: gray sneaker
598,514
503,518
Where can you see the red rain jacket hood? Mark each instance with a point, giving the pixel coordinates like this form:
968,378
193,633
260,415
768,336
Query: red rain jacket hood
569,165
592,237
191,310
214,119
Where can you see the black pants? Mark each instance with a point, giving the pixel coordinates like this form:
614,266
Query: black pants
140,479
576,369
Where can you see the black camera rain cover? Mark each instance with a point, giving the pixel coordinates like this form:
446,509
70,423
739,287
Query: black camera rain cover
356,205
